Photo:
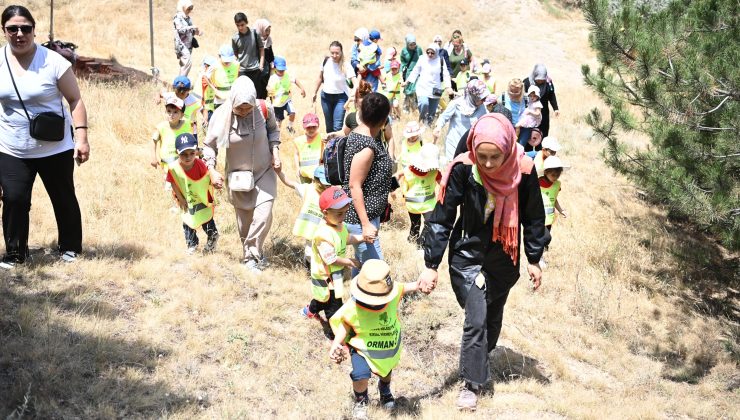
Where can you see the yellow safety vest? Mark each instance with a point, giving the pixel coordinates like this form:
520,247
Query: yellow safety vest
167,136
310,216
208,94
280,90
490,84
392,85
549,196
223,78
321,275
192,109
200,210
461,80
408,150
377,334
419,191
539,163
309,154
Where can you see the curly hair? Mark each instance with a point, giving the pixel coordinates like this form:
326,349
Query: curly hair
363,88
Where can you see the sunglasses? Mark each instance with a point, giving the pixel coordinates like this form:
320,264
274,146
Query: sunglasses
13,29
430,52
182,90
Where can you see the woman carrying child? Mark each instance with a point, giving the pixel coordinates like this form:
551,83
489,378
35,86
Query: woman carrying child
497,195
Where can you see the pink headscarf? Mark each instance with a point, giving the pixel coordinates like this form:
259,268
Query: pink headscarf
261,26
495,129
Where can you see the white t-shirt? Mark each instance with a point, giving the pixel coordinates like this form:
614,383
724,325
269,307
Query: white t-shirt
335,81
428,72
38,88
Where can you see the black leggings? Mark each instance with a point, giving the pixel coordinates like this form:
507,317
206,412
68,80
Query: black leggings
17,177
415,231
330,307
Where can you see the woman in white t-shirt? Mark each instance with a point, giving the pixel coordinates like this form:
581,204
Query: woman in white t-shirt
41,78
338,79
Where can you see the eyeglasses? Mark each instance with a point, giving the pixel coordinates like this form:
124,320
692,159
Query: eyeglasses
13,29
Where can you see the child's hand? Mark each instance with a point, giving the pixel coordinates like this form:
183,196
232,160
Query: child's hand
154,163
355,263
564,214
217,180
337,352
303,93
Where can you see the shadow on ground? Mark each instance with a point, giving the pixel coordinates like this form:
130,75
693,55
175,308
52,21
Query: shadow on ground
49,369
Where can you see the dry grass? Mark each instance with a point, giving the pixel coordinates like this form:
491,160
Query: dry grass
637,317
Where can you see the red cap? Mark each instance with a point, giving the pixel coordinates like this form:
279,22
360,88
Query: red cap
310,120
333,198
395,64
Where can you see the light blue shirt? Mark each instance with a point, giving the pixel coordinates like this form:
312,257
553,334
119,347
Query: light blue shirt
459,124
516,108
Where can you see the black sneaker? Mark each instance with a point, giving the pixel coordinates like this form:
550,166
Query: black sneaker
387,401
211,243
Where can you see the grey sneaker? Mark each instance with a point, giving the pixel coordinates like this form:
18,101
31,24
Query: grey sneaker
359,411
467,400
191,250
388,402
211,243
7,265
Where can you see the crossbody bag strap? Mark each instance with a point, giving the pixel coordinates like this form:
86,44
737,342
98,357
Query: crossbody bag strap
441,70
14,86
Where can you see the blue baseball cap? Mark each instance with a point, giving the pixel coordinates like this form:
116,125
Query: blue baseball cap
320,174
280,63
374,34
182,82
226,53
186,141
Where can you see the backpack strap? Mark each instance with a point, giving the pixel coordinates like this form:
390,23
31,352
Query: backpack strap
263,108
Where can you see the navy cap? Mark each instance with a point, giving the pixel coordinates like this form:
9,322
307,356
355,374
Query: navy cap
185,142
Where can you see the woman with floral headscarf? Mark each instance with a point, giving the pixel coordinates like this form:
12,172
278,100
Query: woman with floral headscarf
462,113
264,29
247,130
185,32
497,196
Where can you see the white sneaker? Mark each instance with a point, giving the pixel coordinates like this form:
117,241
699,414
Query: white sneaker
359,411
252,265
191,250
7,265
69,256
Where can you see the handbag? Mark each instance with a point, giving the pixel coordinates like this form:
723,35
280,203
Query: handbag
46,126
195,43
386,216
241,181
435,91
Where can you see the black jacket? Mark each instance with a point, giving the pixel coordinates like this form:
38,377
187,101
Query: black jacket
469,236
548,95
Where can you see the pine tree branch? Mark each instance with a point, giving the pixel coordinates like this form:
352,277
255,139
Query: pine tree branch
702,128
715,108
726,156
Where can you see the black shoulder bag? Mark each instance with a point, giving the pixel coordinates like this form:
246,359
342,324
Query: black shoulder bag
46,126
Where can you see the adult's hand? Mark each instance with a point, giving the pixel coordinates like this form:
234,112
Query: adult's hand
369,232
82,149
535,275
276,163
313,100
216,179
557,113
428,280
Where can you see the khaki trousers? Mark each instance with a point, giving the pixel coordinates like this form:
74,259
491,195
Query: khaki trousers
254,225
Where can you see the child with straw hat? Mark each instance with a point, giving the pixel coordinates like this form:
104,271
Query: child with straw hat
368,328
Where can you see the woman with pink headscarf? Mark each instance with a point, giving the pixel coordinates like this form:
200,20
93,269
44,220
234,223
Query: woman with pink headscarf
497,195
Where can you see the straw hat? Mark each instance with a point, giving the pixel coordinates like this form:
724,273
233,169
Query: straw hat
374,286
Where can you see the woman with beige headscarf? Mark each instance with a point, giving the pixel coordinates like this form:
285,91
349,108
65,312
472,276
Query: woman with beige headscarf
264,29
247,130
185,32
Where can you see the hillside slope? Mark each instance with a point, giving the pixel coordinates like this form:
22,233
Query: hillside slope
637,317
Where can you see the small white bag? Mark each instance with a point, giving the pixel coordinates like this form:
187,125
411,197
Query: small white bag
241,181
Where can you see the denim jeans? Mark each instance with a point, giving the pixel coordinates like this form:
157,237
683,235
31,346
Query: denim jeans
365,251
524,134
191,238
427,109
333,106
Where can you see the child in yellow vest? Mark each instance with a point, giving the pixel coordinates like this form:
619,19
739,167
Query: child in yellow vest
165,152
309,148
367,329
392,88
310,215
411,144
328,257
191,186
224,75
278,88
183,89
485,75
550,188
463,77
206,90
420,181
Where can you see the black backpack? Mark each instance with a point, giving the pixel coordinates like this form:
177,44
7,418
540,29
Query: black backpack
334,160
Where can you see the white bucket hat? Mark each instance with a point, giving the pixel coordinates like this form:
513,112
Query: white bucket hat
554,162
533,89
413,129
427,158
550,142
